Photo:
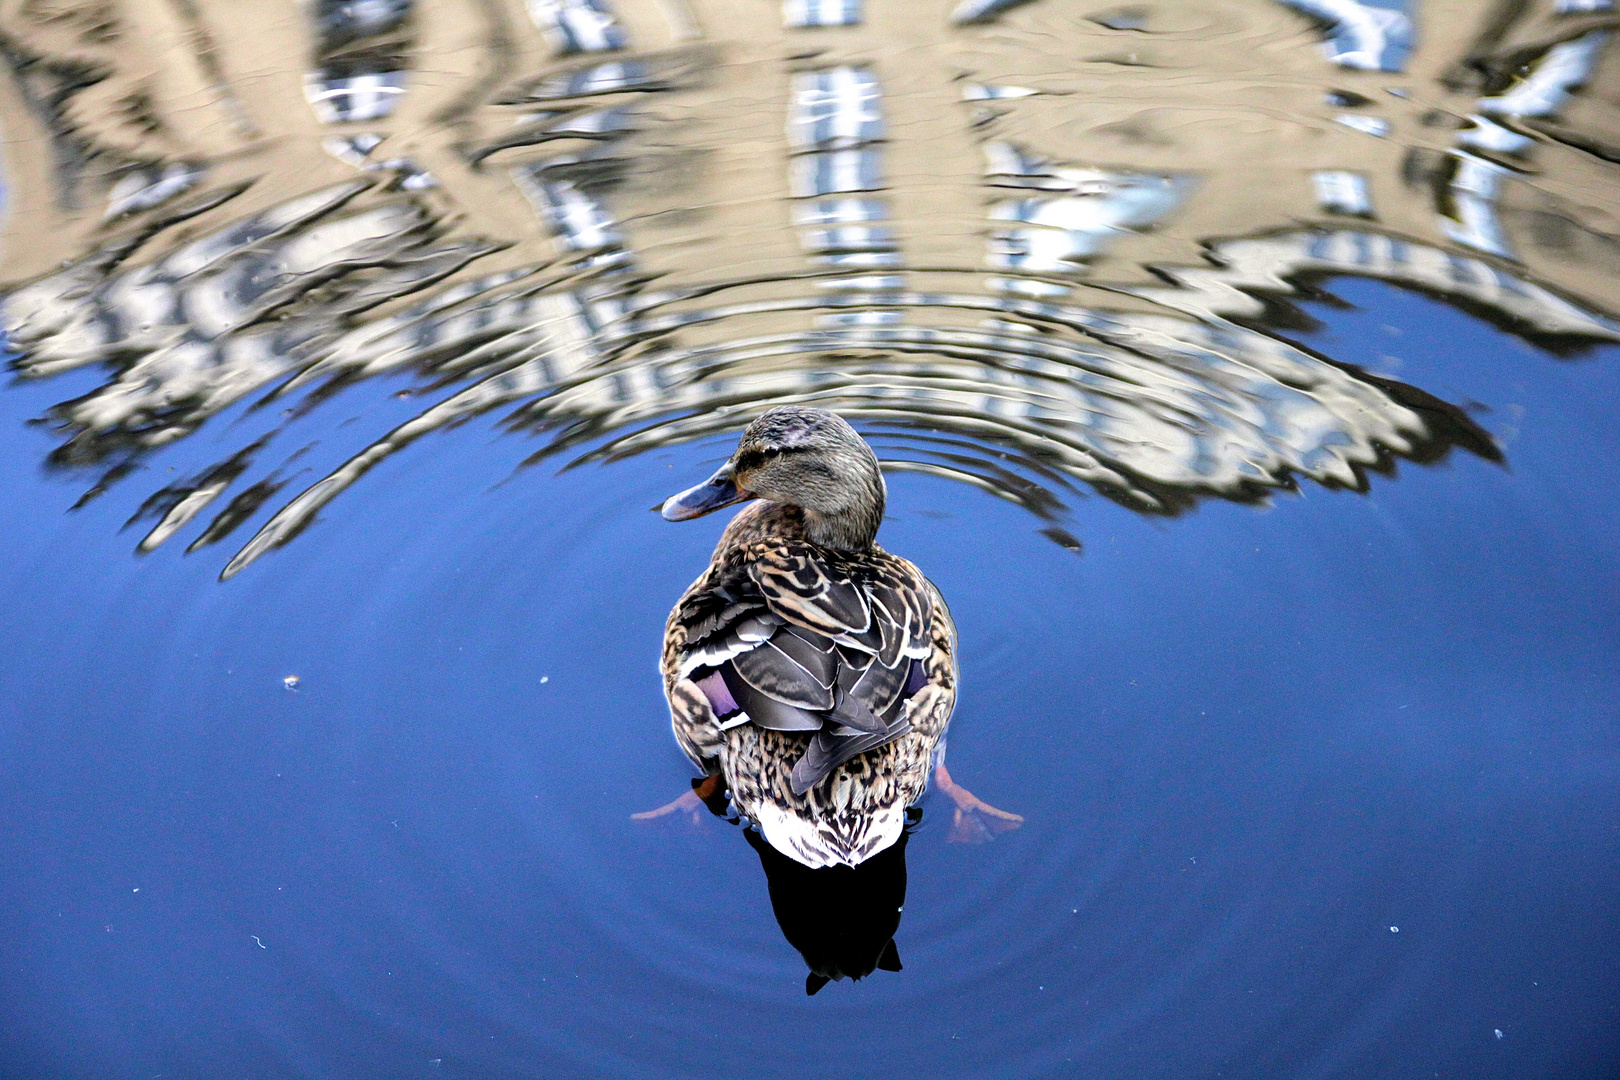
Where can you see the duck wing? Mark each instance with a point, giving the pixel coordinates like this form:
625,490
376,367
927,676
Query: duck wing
792,636
871,601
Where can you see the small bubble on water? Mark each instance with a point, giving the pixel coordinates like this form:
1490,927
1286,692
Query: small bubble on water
1394,929
544,679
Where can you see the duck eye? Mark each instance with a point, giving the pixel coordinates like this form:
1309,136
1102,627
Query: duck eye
756,456
753,458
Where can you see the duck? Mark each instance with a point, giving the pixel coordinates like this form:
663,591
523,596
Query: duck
811,675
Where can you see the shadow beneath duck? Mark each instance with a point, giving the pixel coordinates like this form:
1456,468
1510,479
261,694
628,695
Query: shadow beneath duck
842,919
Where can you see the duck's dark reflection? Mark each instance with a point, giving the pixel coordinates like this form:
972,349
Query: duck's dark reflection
842,919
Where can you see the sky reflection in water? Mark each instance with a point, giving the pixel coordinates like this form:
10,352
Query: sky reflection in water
1177,256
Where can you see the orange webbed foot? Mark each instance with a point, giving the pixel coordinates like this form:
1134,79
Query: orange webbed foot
688,804
974,820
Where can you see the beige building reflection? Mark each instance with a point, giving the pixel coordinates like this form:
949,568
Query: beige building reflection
1031,245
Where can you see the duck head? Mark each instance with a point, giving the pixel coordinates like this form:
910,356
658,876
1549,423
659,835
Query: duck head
801,457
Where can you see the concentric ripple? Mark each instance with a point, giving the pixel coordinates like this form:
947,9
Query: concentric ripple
991,323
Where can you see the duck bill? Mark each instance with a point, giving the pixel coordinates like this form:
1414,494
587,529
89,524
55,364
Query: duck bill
718,491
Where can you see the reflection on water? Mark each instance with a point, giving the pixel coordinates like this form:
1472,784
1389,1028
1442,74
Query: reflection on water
842,919
1040,249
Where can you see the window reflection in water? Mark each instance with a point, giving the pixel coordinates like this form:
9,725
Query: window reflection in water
1068,279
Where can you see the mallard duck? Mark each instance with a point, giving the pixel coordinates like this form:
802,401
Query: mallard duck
809,671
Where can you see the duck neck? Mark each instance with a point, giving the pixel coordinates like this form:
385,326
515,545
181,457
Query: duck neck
852,526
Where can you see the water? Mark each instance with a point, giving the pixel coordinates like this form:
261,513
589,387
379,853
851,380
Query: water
1264,459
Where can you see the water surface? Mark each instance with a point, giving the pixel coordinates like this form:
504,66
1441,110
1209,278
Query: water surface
1245,375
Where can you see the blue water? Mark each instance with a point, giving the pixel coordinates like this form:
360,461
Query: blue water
1323,789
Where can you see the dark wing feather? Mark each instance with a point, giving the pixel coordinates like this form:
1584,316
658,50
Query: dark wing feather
872,684
873,601
785,669
901,606
810,639
766,711
851,712
828,750
707,611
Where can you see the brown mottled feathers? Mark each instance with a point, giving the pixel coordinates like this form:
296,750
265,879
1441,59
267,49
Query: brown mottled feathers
842,817
872,602
806,638
819,647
